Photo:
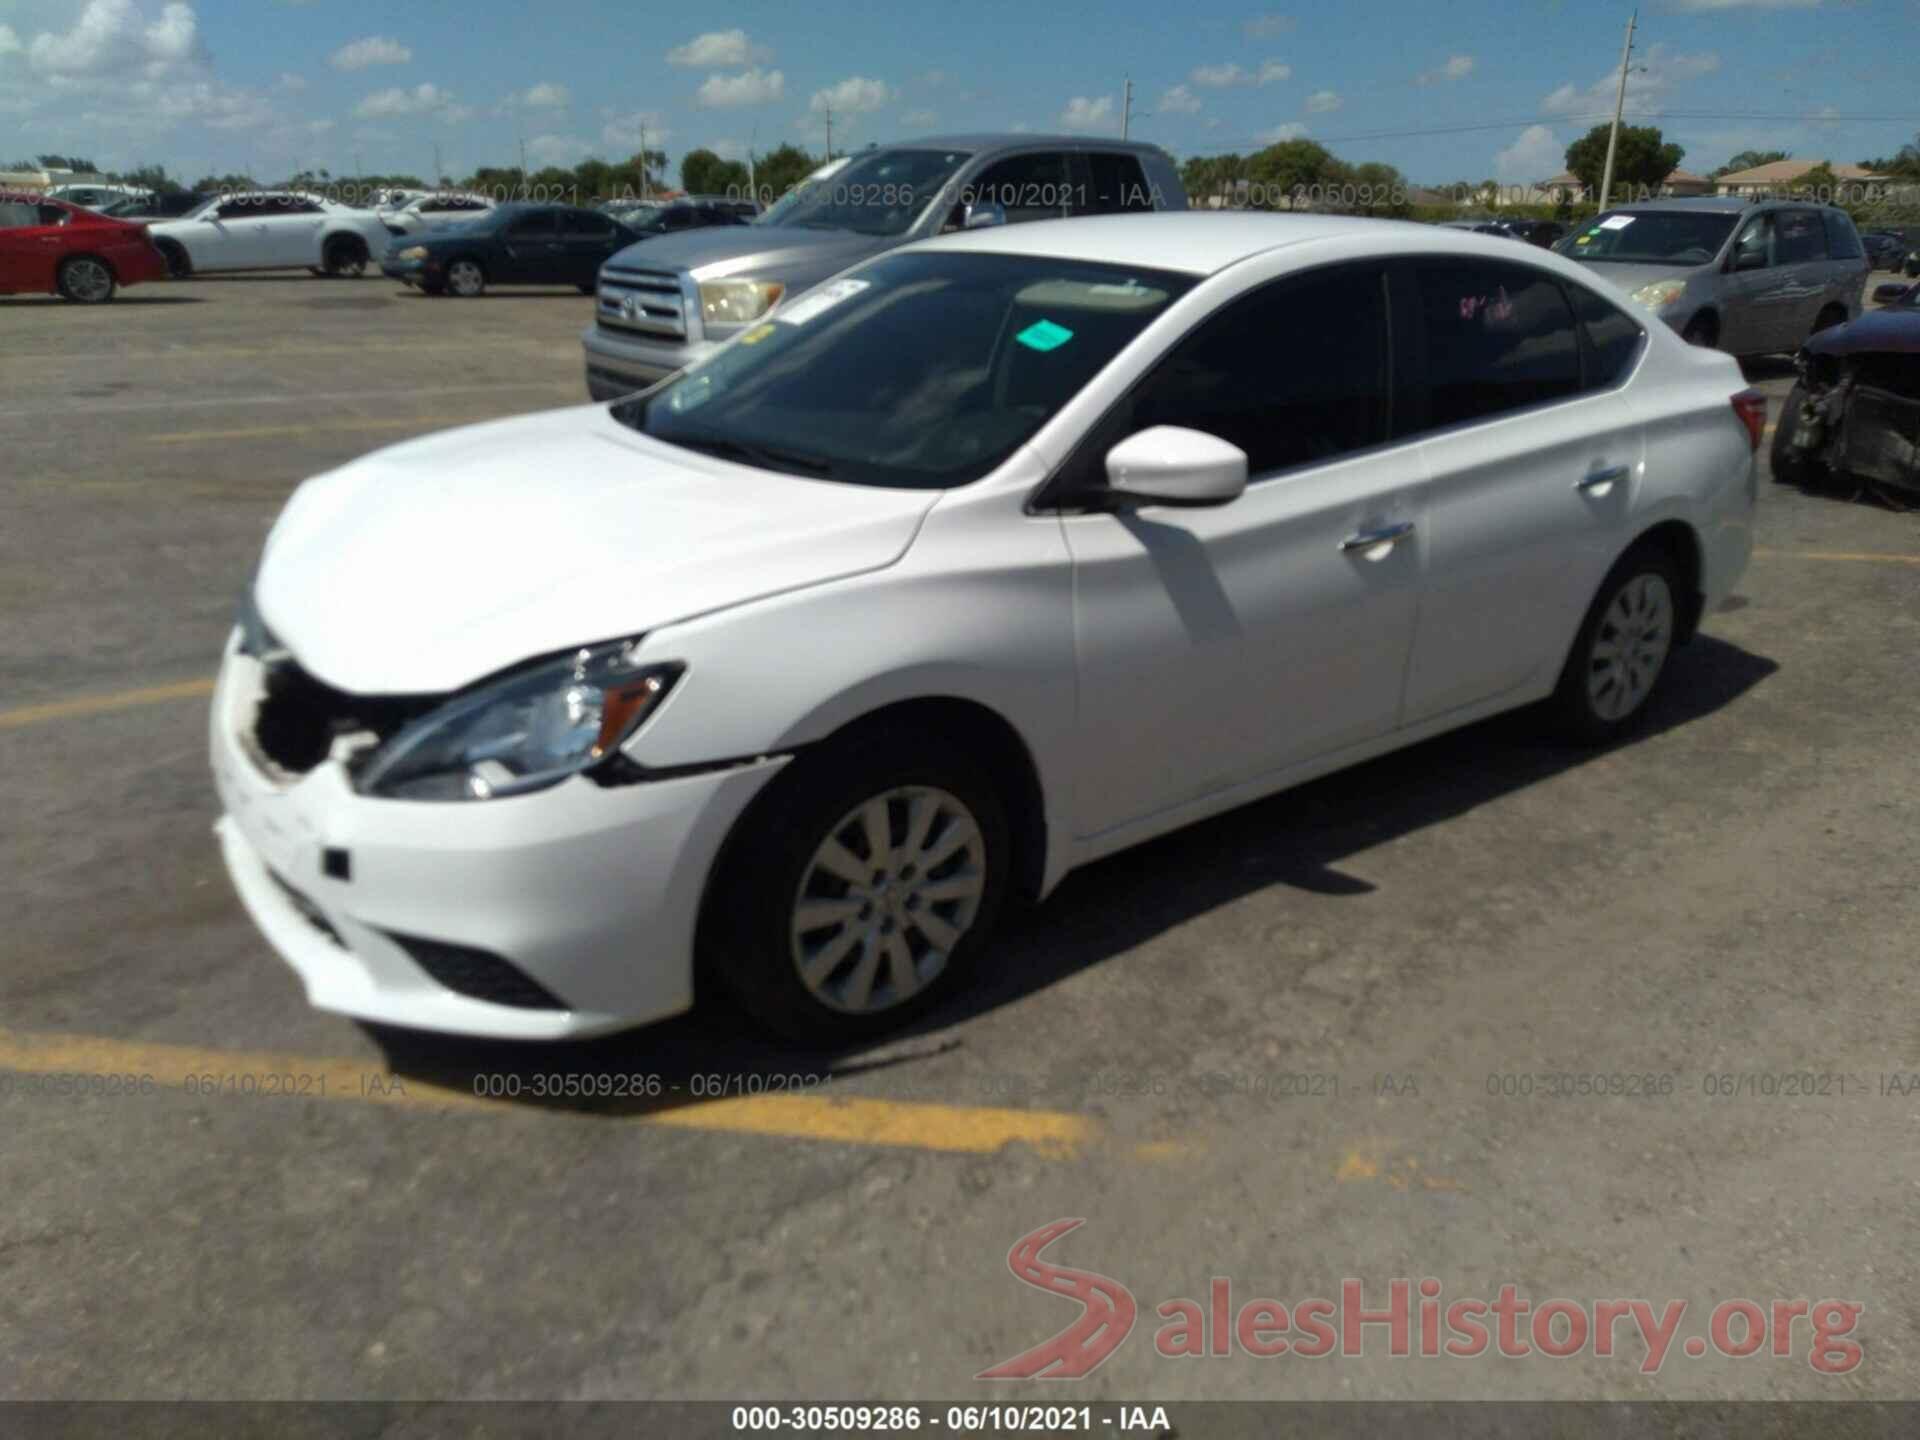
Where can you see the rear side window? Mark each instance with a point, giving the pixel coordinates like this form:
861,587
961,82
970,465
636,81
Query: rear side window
17,215
1613,338
1497,338
1798,236
1029,187
1843,241
587,224
1115,185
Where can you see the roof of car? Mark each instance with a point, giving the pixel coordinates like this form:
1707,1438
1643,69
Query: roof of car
1200,242
1008,140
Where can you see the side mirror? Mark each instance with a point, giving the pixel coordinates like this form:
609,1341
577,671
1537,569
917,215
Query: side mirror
1749,260
1890,292
1171,465
979,217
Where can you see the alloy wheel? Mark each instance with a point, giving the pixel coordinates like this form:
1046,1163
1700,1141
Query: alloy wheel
88,281
889,893
1631,645
464,277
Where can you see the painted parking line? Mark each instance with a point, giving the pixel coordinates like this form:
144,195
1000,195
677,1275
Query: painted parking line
95,1063
1842,556
306,400
314,427
103,704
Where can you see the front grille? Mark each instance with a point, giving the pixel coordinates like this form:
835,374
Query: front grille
308,910
645,302
478,974
299,717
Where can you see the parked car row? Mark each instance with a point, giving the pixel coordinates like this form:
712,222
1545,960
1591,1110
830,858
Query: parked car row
1544,233
52,247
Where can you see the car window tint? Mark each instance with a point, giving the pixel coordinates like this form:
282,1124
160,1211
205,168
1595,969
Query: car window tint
678,217
587,225
1613,338
1115,185
17,215
1843,241
1293,374
1756,237
1798,237
1497,338
1030,187
537,226
54,215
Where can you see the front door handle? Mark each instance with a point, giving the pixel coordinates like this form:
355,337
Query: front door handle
1600,479
1378,538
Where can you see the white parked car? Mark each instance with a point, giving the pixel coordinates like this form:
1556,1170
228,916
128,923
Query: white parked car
995,555
271,230
429,213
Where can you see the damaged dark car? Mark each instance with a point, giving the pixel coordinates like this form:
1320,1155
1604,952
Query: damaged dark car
1854,416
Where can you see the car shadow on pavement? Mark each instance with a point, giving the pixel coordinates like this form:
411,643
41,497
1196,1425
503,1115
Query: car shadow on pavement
1296,839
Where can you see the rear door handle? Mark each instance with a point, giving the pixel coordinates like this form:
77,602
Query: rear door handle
1382,535
1600,479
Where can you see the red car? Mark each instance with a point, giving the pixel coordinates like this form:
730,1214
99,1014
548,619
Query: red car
48,247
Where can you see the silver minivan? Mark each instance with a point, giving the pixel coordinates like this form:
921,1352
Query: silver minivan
1748,277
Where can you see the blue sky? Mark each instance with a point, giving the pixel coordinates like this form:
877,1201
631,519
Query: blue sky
1464,90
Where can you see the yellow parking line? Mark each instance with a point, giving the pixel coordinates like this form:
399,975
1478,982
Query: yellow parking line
97,1063
255,432
102,704
1865,557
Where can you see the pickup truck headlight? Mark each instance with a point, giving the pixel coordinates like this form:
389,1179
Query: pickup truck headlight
524,732
1660,293
736,302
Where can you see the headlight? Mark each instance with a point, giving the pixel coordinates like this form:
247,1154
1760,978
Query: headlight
735,302
412,252
1660,292
525,732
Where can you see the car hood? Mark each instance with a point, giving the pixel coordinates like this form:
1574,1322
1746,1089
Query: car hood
721,250
435,563
1893,331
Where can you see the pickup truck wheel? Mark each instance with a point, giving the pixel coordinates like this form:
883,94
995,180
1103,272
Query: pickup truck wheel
345,255
85,281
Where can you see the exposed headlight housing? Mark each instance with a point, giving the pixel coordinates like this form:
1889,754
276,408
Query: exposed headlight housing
412,252
1660,293
736,302
524,732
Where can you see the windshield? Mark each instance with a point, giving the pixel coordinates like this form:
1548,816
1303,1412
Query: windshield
920,371
636,217
877,194
1647,237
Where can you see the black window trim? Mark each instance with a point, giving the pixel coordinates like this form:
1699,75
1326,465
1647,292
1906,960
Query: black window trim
1046,498
1587,352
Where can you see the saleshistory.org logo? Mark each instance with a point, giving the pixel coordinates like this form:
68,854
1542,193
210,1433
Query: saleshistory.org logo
1510,1325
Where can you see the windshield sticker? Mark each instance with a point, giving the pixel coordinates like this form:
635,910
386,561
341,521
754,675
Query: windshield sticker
820,301
1616,222
757,334
1044,335
1586,239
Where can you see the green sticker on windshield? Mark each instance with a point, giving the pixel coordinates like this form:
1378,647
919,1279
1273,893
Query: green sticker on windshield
1044,335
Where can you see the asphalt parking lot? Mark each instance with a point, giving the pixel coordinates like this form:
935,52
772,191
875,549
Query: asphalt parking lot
1272,1048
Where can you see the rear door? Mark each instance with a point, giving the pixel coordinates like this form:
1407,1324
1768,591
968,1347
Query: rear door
29,249
232,236
1760,309
530,252
290,231
587,239
1800,250
1534,455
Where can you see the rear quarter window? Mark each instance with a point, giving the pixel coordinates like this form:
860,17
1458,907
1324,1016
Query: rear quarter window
1612,339
1843,241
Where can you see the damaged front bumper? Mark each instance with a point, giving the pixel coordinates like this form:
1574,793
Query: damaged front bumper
1860,417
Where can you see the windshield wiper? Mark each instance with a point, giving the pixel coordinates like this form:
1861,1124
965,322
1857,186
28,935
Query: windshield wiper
762,456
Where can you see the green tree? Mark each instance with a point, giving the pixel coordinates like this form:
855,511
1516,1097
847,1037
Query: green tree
1750,160
83,164
1288,171
1643,159
705,173
1376,188
152,177
211,184
778,171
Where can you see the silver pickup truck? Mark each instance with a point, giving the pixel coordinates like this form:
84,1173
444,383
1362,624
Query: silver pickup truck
666,302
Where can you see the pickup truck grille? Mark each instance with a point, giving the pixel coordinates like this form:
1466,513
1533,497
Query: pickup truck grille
645,302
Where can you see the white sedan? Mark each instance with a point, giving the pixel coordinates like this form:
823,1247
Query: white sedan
271,230
427,214
995,555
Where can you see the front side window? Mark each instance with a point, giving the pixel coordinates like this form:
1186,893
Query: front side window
918,371
586,225
1029,187
1495,338
1754,249
534,225
1652,237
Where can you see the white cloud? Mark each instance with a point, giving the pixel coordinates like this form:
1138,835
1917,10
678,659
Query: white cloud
1535,155
1265,27
718,47
749,87
1825,115
1292,130
1458,67
318,127
1321,101
9,42
1272,71
1178,101
545,96
422,99
855,95
1218,77
292,82
625,132
1661,70
919,120
728,149
558,149
113,37
1083,113
374,50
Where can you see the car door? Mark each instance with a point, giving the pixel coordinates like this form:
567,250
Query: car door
587,239
1532,474
30,249
529,251
1757,312
1219,645
232,236
1800,252
290,231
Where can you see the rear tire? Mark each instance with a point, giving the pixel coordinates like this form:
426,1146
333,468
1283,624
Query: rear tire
898,846
84,280
1622,650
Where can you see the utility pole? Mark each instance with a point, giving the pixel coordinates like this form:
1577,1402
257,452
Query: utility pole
829,110
753,185
643,162
437,171
1619,104
1126,109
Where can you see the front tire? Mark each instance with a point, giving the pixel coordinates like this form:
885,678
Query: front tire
862,888
83,280
1790,464
466,279
1622,649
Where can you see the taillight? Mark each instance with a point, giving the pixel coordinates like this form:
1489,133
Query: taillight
1751,407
